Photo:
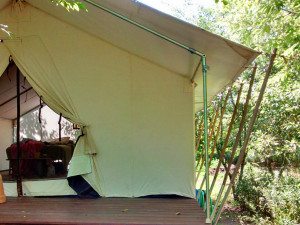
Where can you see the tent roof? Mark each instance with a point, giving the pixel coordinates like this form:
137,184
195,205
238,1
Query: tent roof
226,59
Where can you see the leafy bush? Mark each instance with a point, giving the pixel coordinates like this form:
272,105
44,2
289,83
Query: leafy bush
269,200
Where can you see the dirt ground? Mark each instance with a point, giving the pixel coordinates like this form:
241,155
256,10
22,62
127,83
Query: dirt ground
230,216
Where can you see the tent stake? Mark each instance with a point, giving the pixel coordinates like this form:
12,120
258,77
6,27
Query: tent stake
204,72
19,153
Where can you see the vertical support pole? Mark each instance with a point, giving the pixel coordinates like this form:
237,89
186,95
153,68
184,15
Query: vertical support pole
19,153
40,110
40,117
204,72
59,127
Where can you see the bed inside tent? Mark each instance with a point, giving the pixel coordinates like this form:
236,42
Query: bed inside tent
46,147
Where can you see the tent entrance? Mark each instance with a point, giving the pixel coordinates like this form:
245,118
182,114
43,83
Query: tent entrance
36,143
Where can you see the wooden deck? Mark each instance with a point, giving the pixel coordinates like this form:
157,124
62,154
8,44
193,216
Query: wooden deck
104,211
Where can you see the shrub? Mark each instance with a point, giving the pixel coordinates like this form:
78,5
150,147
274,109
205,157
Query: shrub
269,200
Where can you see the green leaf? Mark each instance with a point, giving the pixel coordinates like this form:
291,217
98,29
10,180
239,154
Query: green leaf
267,29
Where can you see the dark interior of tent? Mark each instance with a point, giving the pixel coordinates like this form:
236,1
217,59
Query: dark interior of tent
37,155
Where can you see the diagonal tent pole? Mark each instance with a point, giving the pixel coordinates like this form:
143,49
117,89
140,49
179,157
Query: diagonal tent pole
237,139
248,134
222,154
210,135
204,72
223,109
243,120
198,142
200,130
211,130
238,136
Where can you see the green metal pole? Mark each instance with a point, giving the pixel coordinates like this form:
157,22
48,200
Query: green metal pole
204,72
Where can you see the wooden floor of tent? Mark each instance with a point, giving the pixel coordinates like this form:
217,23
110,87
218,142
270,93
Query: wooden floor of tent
104,211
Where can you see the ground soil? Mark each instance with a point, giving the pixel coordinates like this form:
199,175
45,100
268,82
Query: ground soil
230,215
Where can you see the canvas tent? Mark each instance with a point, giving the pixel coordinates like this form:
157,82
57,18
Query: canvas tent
130,90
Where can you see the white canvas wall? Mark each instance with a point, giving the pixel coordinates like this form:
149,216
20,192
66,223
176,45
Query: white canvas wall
139,114
6,137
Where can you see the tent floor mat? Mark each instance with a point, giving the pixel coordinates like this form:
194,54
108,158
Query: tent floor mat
102,211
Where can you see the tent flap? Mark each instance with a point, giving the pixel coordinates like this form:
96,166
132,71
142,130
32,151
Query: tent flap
80,165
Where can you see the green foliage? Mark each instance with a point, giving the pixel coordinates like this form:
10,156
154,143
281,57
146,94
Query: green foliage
69,5
74,5
269,195
250,194
225,2
267,199
268,151
265,25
